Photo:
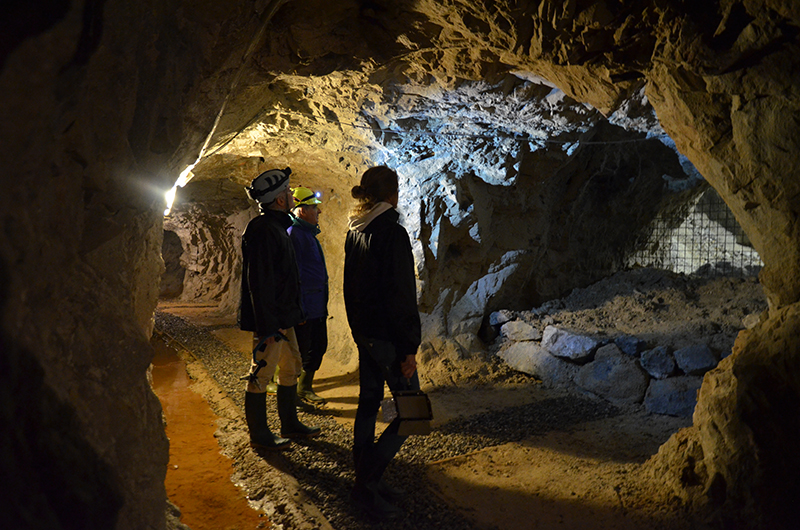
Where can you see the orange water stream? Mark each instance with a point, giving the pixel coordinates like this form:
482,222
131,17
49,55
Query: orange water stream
198,478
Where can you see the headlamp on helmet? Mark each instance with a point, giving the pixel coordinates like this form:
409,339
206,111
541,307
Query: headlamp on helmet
305,197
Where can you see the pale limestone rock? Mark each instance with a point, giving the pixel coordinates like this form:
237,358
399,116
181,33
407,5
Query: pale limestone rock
532,359
675,396
658,362
518,330
564,343
695,360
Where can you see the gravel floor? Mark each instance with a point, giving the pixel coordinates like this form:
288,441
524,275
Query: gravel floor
323,466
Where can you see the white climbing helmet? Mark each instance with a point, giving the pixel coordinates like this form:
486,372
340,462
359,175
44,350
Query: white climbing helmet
268,185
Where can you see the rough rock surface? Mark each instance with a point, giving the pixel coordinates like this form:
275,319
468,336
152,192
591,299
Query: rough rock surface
613,376
518,331
106,103
730,422
570,345
703,319
531,358
676,396
658,362
214,278
695,360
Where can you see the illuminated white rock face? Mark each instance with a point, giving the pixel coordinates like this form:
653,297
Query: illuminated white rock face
512,192
104,106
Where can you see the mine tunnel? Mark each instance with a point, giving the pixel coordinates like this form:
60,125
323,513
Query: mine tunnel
568,171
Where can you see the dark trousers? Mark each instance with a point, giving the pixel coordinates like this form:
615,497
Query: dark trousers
378,364
312,338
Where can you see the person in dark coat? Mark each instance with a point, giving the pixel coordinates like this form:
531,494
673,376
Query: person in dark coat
271,308
312,335
381,304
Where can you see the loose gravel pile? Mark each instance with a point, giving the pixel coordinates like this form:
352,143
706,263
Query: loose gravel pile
323,466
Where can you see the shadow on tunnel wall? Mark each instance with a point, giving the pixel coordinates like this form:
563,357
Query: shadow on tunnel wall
51,476
174,271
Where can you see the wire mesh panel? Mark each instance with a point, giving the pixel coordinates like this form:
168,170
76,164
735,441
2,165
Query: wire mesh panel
707,241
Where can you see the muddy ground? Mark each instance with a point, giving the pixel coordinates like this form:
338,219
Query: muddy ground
506,452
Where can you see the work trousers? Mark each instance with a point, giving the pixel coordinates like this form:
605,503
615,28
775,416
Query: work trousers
282,354
378,364
312,338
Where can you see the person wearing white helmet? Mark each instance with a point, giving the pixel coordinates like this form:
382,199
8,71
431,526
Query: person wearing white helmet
271,307
312,335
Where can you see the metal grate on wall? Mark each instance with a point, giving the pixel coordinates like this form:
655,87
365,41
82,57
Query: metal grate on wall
706,241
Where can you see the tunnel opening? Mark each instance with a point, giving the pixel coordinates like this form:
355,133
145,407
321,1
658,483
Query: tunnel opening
517,245
307,74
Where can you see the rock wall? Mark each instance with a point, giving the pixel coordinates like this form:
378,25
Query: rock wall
103,104
208,223
644,336
737,462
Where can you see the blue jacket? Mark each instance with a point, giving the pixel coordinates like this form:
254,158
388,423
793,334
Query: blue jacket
313,272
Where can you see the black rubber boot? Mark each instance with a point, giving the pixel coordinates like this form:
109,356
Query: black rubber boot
255,411
291,427
389,492
386,490
302,406
367,494
305,389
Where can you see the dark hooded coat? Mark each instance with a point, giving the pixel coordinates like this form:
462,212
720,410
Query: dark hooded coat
380,292
270,279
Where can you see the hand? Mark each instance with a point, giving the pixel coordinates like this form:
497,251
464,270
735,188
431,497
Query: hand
409,366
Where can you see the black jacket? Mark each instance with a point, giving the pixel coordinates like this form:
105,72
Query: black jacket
270,278
380,292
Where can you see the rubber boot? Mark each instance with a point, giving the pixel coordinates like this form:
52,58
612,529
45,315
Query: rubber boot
387,491
255,411
302,406
306,391
291,427
366,494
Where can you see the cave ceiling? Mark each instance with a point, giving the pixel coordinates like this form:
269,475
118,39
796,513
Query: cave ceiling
464,101
333,88
329,89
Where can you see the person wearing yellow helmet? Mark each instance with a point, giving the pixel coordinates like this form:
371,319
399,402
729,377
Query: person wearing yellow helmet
312,335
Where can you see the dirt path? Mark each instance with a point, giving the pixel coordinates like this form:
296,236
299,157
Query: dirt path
586,475
505,452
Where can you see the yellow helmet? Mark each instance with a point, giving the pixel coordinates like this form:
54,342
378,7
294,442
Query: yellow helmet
305,197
